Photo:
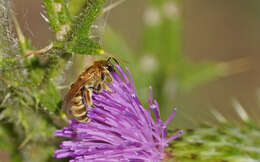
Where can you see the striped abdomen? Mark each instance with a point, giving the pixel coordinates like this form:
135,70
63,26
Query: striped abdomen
79,108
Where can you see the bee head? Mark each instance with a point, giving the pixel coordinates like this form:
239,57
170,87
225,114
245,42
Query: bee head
110,66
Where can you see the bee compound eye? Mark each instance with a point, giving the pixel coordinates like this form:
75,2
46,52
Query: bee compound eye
110,68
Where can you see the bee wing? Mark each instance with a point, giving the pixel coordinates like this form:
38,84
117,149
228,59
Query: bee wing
74,89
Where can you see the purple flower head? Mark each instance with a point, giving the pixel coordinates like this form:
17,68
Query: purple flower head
121,129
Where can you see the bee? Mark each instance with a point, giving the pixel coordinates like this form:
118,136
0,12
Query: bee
93,79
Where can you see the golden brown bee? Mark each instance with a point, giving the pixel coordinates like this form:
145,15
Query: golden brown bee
94,79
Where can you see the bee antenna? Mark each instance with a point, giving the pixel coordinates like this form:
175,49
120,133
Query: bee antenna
109,59
115,58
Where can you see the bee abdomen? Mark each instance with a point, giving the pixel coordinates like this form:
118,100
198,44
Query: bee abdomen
77,107
79,112
77,100
84,119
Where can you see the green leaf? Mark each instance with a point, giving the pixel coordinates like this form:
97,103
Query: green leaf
9,141
36,76
49,97
59,18
84,46
75,6
222,143
79,41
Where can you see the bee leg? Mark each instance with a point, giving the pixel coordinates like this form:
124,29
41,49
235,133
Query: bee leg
106,87
107,74
88,97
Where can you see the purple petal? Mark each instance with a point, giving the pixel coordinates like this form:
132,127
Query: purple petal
121,129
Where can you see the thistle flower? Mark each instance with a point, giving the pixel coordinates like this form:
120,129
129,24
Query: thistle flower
121,129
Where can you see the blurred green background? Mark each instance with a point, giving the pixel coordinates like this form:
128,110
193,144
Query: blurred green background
176,46
198,55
